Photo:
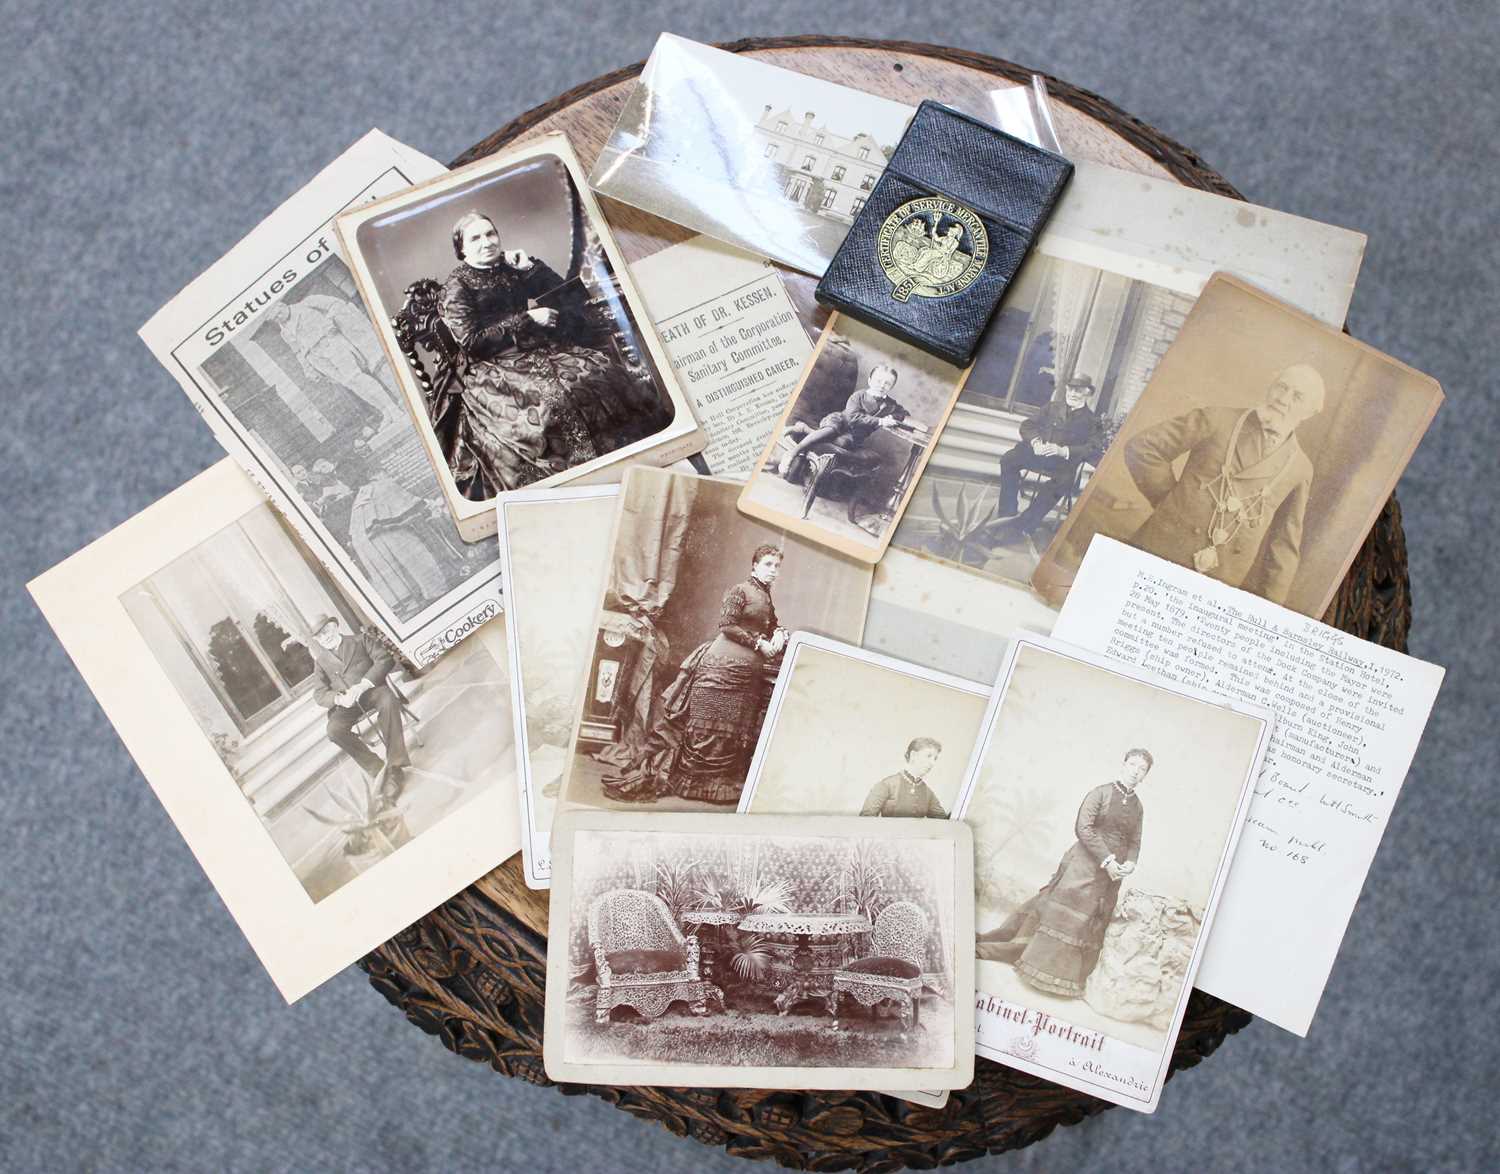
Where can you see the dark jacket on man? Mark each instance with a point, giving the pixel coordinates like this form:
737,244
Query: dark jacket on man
357,658
361,658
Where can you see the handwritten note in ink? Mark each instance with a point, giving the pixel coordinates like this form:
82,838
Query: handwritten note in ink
1349,715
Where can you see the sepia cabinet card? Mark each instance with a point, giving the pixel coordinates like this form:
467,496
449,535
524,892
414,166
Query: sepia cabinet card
524,352
274,349
851,732
1260,453
554,546
1076,340
696,608
760,951
1106,806
1349,716
331,796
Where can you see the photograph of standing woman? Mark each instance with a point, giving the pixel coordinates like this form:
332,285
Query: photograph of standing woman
1054,939
698,605
1101,806
710,715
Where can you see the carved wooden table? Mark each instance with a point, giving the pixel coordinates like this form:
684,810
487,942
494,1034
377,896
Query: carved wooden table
793,983
472,972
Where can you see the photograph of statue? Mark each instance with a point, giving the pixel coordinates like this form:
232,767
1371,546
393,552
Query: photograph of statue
277,352
310,382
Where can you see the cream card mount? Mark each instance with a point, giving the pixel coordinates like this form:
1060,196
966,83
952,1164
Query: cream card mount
554,547
855,969
525,354
328,815
1106,806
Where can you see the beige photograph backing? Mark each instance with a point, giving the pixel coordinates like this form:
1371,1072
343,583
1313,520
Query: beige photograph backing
554,547
194,624
805,952
1321,427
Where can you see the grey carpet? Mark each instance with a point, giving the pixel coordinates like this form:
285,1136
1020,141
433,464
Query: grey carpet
142,140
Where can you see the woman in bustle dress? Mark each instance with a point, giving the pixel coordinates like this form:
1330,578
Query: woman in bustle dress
519,419
701,745
1053,940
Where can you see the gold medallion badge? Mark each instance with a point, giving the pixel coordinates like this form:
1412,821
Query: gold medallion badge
933,248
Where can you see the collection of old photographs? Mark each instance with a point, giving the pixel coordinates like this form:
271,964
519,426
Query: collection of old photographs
863,714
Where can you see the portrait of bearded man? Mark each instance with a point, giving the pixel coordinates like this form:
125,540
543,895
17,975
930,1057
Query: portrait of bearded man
1236,510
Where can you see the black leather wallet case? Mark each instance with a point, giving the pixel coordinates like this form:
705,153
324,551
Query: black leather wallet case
932,251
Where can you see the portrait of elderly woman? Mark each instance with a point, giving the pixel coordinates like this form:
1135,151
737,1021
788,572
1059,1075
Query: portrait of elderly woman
711,714
514,326
536,388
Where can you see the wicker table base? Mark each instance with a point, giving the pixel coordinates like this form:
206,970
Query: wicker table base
473,971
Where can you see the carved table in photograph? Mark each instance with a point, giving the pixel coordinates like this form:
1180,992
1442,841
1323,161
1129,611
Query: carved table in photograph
472,972
803,967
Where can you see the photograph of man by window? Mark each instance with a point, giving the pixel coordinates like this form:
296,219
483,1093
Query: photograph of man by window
1065,358
343,754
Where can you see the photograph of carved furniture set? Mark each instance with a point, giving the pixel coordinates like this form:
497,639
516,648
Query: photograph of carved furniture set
720,961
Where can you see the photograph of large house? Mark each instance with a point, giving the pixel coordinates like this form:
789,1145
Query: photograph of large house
828,173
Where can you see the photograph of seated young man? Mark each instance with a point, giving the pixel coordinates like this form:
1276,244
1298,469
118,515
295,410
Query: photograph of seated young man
869,408
352,686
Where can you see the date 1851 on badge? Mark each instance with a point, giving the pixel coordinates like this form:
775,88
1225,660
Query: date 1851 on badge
933,248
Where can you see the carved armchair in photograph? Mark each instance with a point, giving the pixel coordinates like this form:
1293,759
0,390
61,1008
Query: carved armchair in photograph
831,466
893,972
642,959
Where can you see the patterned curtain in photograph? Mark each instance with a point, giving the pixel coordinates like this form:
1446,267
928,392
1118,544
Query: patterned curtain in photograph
648,551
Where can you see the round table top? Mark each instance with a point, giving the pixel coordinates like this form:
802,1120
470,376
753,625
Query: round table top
809,924
710,917
473,971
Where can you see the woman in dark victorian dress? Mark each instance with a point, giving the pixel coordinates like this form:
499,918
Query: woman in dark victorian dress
1053,940
701,745
522,382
